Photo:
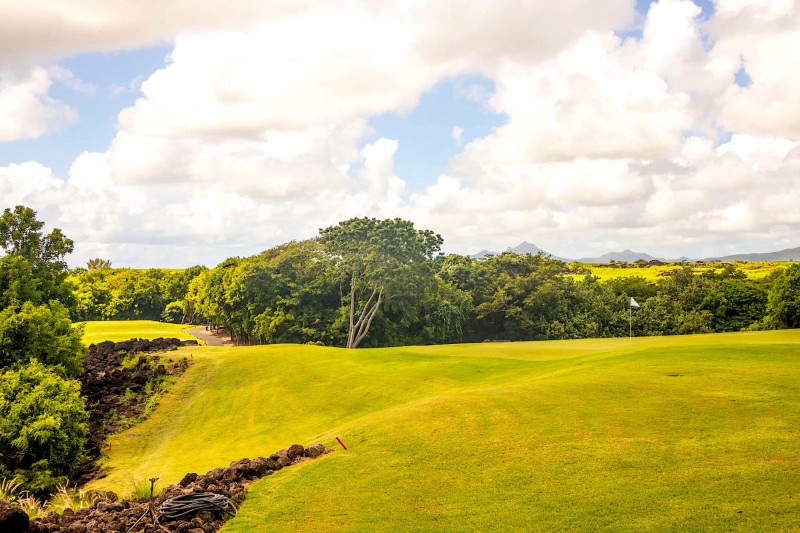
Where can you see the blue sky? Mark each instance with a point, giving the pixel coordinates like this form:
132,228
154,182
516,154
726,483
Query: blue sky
487,126
113,80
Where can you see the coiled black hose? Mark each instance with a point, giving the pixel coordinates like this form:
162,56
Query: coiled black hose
196,502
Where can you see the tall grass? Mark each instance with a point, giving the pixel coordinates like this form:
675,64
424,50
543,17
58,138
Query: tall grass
64,497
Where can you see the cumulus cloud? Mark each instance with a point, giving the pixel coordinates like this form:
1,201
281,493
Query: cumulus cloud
45,31
256,129
26,110
594,100
21,183
764,36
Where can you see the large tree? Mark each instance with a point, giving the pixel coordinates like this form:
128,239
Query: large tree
380,260
21,235
33,268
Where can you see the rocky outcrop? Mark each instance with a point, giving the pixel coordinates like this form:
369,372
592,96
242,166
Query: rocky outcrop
12,519
111,514
116,395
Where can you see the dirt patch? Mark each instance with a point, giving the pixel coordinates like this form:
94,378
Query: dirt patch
216,337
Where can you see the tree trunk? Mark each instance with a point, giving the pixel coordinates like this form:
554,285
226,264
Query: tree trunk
359,329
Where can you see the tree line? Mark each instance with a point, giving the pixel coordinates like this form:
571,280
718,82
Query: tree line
368,282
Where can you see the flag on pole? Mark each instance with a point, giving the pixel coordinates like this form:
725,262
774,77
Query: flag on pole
634,303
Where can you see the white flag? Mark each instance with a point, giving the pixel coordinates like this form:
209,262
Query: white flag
633,302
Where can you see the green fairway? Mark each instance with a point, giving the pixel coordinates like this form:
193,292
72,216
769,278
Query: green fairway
690,433
123,330
654,273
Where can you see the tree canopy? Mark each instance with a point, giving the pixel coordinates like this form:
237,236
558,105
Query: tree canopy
21,235
380,260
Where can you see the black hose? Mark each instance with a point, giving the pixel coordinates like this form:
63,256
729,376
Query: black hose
196,502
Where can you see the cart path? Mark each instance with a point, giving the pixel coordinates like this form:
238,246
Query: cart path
210,339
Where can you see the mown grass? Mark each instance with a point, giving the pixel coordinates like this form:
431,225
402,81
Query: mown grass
690,433
123,330
655,272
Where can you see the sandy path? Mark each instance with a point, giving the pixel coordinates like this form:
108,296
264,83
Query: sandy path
209,338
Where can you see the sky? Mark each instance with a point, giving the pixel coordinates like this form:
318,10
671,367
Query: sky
168,134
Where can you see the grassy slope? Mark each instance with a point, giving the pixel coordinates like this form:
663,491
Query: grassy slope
123,330
656,272
683,433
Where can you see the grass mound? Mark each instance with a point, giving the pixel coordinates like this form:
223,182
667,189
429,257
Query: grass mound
683,433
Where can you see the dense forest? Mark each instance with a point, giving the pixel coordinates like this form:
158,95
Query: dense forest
368,282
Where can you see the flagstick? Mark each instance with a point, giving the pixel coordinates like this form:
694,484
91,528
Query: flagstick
630,324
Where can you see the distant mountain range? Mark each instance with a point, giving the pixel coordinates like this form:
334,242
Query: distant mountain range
629,256
789,254
625,256
524,247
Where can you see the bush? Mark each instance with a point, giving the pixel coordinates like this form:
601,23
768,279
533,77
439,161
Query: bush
42,332
783,307
42,426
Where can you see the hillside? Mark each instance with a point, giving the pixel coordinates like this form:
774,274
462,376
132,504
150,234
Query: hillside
692,432
630,256
789,254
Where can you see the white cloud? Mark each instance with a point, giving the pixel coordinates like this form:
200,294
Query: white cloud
26,182
594,100
764,38
26,111
41,30
254,131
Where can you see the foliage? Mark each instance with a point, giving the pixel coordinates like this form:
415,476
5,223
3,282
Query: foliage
98,263
21,235
783,307
72,498
380,260
42,426
35,507
33,268
44,333
139,488
9,489
105,293
736,304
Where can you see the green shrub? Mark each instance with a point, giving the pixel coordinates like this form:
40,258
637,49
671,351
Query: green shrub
42,332
42,426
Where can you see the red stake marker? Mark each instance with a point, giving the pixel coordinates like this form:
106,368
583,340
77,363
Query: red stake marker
339,440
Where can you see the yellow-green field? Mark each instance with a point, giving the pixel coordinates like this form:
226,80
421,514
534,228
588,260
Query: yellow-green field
694,433
656,272
123,330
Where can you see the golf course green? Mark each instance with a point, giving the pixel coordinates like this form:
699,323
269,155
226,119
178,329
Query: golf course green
689,433
123,330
